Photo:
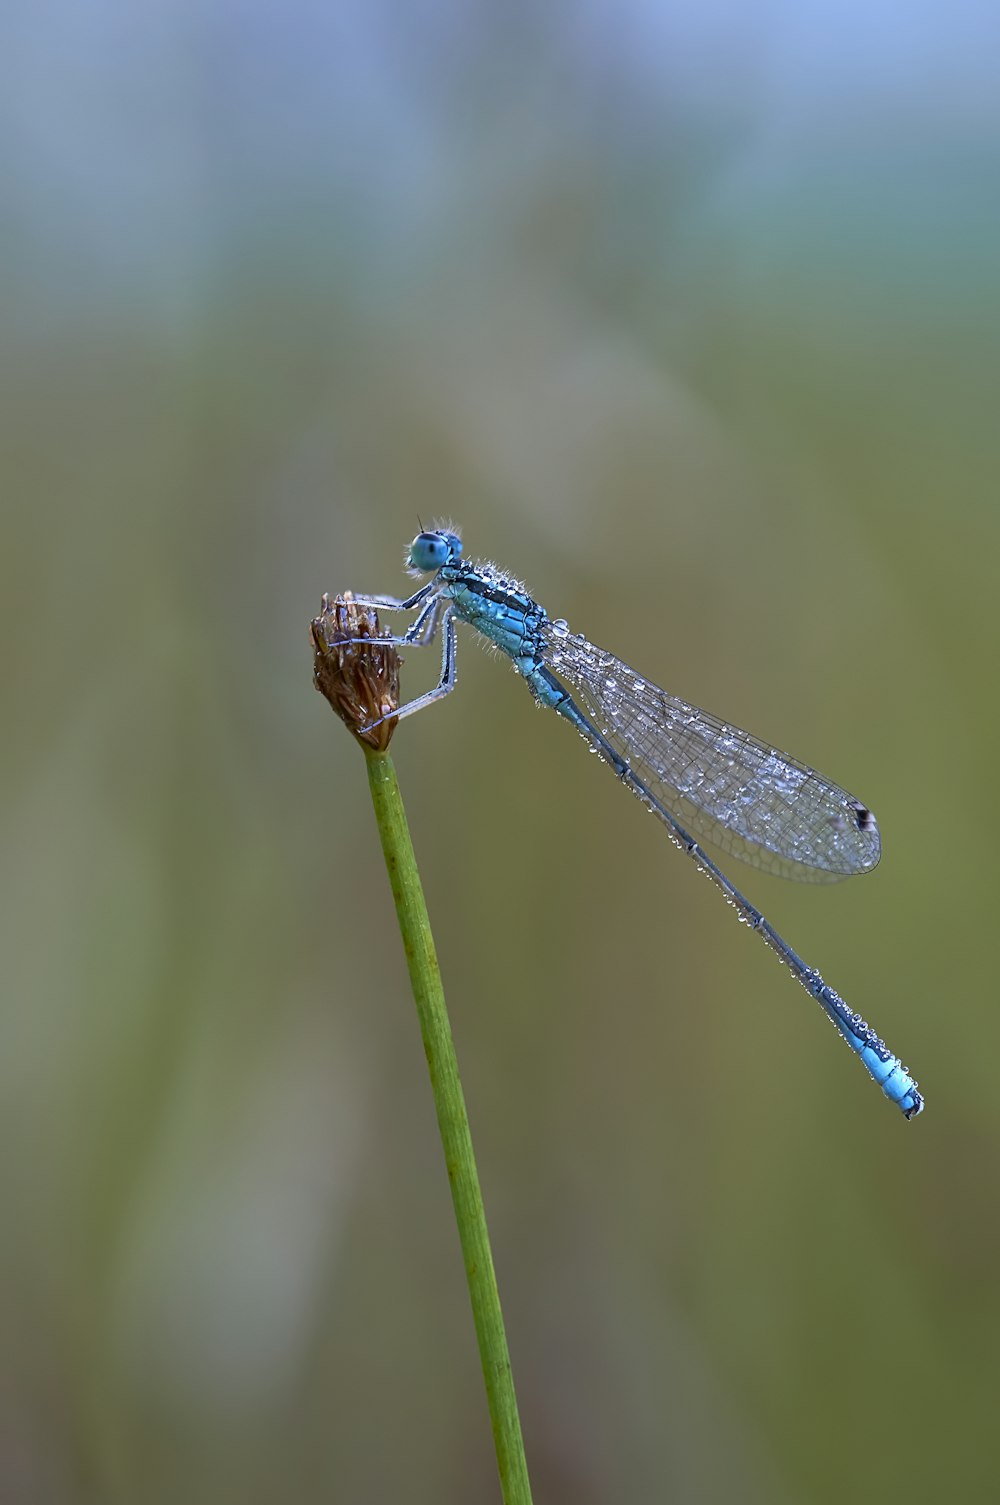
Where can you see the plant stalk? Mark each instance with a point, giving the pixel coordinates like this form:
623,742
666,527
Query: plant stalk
453,1122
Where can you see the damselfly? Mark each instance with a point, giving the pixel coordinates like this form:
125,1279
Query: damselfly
703,778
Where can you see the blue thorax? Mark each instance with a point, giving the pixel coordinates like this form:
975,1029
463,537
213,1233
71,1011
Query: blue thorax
496,605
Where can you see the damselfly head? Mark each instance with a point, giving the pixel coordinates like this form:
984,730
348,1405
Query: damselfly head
432,549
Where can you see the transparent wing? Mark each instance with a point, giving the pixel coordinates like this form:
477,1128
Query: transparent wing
723,785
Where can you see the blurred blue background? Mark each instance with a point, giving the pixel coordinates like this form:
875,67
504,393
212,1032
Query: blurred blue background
689,315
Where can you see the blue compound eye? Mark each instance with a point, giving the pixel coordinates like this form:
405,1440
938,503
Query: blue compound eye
429,551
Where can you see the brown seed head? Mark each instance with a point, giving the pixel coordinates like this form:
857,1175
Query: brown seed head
361,681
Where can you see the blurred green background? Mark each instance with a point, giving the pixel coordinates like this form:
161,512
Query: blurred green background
689,315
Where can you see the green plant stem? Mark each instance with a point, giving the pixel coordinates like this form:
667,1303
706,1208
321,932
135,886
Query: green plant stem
453,1122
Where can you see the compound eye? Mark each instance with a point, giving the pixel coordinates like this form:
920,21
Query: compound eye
428,551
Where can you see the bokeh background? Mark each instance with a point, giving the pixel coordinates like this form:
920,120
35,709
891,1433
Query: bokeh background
689,315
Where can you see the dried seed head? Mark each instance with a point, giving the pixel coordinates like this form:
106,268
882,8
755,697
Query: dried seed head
361,681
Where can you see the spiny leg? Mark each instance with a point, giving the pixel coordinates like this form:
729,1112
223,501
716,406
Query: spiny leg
393,603
424,629
421,631
444,685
